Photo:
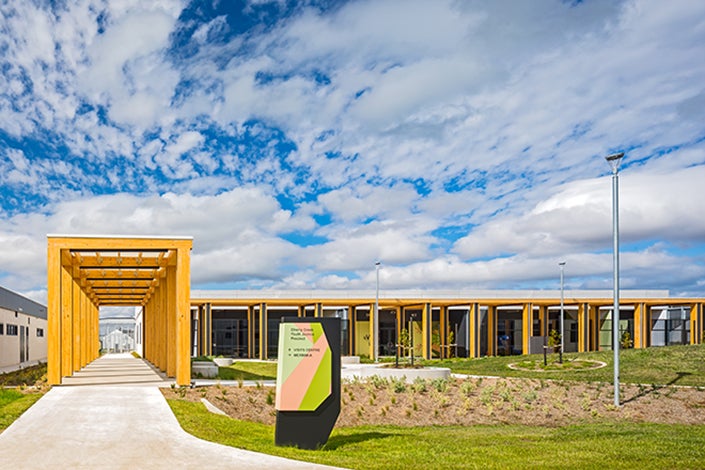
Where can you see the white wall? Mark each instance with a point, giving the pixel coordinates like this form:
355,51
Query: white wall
10,344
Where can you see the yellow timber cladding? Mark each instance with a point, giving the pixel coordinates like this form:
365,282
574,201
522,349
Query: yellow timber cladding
87,272
444,324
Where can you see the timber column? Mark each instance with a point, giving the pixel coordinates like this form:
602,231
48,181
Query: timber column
263,331
527,326
426,331
474,330
492,330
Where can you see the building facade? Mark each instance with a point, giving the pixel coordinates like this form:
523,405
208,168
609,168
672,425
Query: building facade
117,334
23,331
441,324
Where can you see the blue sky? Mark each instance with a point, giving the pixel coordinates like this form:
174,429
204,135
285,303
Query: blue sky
460,143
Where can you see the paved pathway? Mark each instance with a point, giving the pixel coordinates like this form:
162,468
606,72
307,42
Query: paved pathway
114,427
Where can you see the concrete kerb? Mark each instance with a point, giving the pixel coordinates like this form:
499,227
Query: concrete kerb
365,371
24,365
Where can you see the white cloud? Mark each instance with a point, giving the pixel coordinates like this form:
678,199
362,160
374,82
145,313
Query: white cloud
235,233
127,68
578,217
409,118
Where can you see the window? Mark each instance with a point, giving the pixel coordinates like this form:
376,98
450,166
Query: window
40,332
11,330
574,332
2,328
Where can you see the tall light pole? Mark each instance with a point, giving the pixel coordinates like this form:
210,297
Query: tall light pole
614,161
562,265
375,321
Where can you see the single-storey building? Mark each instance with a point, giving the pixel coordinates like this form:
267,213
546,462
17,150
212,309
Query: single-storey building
440,324
23,328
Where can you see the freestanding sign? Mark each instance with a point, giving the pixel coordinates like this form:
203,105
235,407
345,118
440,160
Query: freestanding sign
308,381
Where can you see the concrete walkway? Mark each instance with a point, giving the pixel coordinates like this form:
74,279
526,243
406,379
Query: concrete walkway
115,427
119,369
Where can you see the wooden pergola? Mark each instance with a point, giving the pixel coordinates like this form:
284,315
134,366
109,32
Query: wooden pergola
87,272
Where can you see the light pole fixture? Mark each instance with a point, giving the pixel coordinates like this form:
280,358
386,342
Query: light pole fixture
375,321
614,161
562,265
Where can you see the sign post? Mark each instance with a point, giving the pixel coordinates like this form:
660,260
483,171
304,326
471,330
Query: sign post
308,381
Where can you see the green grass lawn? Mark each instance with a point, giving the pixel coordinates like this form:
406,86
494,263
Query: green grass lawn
249,370
13,403
676,365
615,445
583,446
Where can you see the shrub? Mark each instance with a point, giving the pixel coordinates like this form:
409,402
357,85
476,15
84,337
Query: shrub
398,385
419,385
440,385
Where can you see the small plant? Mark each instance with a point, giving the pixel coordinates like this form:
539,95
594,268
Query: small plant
398,385
515,404
546,410
468,387
585,403
419,385
626,341
404,341
530,396
554,340
486,395
379,382
270,397
441,385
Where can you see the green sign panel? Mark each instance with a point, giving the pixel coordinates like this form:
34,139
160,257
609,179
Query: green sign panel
304,369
